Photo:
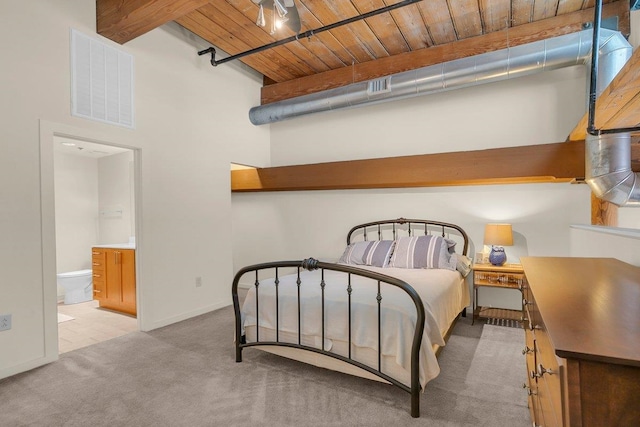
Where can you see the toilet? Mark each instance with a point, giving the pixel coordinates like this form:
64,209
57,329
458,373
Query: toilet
77,286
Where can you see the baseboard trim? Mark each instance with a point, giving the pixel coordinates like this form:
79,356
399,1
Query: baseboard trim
179,318
27,366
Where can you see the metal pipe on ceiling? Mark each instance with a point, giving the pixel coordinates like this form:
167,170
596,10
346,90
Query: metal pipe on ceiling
306,34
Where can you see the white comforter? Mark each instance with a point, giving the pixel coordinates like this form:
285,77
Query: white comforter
443,294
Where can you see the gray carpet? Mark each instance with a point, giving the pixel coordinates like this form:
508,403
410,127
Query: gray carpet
185,375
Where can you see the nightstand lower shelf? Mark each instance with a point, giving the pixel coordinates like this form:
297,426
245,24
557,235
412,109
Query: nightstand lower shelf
498,313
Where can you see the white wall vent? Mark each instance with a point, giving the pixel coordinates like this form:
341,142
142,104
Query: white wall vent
379,85
101,81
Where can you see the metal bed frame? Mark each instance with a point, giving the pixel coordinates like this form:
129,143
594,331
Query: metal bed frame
426,226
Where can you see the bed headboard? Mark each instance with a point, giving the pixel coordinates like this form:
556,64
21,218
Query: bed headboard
394,228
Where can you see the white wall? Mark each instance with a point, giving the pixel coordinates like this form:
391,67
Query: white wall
531,110
76,197
537,109
315,223
607,242
191,122
298,225
116,196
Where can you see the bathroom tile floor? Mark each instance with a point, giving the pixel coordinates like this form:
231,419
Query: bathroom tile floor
90,325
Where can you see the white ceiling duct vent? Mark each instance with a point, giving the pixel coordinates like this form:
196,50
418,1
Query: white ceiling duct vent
379,86
101,81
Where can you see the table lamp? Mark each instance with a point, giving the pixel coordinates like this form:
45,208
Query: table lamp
498,235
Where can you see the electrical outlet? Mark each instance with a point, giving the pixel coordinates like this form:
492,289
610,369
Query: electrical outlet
5,322
198,281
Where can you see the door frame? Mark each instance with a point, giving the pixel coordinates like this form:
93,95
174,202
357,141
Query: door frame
47,214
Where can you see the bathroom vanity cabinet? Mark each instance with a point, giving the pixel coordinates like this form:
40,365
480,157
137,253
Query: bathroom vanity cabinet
114,278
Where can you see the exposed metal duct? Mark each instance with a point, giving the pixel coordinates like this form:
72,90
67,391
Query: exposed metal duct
608,156
549,54
608,169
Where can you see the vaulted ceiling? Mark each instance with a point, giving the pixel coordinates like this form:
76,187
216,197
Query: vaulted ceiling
418,34
413,36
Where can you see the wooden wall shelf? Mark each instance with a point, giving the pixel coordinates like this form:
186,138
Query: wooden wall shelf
559,162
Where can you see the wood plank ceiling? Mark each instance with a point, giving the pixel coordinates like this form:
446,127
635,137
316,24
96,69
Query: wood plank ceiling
413,36
410,37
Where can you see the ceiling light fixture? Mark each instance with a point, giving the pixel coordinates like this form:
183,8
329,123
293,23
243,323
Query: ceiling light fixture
282,10
260,22
273,20
279,7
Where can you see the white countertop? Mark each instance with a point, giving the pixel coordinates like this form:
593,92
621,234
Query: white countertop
117,246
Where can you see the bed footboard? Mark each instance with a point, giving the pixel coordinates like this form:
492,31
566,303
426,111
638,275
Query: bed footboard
313,264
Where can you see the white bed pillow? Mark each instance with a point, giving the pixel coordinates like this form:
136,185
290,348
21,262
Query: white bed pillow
422,252
376,253
463,264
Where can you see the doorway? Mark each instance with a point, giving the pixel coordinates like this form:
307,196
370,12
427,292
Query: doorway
95,211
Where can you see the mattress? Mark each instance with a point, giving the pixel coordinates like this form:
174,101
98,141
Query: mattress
443,292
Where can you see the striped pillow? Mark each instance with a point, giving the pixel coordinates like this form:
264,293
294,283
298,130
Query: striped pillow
421,252
353,253
375,253
378,253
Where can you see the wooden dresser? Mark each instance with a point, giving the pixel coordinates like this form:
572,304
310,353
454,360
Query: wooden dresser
582,322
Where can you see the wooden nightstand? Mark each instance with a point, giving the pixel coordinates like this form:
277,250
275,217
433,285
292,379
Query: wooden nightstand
508,276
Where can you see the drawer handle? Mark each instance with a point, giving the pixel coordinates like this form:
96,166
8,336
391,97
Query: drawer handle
527,350
523,286
542,371
525,302
533,374
529,391
95,291
96,275
96,263
96,253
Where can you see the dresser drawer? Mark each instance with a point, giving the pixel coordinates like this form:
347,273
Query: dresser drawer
534,404
98,267
98,253
529,350
549,375
99,290
99,285
98,276
98,259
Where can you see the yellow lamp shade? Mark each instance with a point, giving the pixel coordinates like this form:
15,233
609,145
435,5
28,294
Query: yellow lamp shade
498,234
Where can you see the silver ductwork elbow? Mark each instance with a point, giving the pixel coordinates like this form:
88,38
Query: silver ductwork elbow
608,169
608,156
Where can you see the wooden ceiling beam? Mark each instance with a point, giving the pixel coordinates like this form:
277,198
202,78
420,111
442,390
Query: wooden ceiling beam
514,36
123,21
560,162
618,106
